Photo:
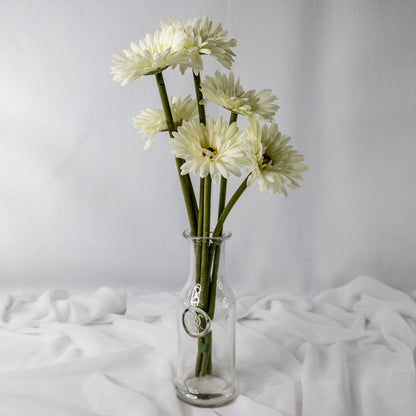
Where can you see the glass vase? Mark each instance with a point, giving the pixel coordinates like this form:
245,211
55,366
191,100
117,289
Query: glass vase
205,374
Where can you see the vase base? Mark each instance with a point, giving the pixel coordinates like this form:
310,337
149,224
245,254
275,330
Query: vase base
208,391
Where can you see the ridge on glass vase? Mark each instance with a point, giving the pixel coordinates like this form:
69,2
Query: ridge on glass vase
205,373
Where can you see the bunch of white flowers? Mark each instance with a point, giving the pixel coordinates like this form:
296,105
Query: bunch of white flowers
201,145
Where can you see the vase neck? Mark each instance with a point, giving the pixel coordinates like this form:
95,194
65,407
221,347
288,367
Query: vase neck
207,257
210,238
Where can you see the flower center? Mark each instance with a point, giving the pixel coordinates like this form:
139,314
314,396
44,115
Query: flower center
265,160
209,152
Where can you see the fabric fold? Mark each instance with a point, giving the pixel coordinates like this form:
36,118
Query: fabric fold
348,351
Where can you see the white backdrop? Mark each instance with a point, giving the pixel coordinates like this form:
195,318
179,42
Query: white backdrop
82,206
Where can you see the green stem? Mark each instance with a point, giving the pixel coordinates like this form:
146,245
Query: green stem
206,357
213,293
202,254
205,278
199,232
207,206
233,117
185,180
199,98
204,344
165,102
202,119
201,206
222,196
218,228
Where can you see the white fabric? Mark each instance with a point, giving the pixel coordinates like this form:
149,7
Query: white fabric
347,352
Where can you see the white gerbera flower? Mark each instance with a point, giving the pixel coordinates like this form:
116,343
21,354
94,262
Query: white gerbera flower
203,38
149,122
274,163
223,90
214,149
151,56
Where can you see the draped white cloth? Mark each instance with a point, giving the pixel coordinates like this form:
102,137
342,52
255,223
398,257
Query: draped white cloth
346,352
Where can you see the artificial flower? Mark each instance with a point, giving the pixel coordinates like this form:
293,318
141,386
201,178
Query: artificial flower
151,56
223,90
149,122
226,92
203,38
214,149
273,162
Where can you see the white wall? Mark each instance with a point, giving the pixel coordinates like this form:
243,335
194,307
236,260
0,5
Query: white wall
82,206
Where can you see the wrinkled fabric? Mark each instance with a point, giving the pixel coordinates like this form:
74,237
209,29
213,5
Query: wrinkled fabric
349,351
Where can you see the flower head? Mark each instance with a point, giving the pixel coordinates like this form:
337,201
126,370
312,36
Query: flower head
152,55
149,122
274,163
223,90
214,149
203,38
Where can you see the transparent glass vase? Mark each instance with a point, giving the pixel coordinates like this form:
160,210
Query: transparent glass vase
205,374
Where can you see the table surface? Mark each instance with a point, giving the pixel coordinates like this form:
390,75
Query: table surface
348,351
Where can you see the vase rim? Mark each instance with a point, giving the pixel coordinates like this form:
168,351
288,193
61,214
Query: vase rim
225,236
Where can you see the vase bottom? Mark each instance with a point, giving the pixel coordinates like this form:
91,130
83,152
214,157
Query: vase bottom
208,391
